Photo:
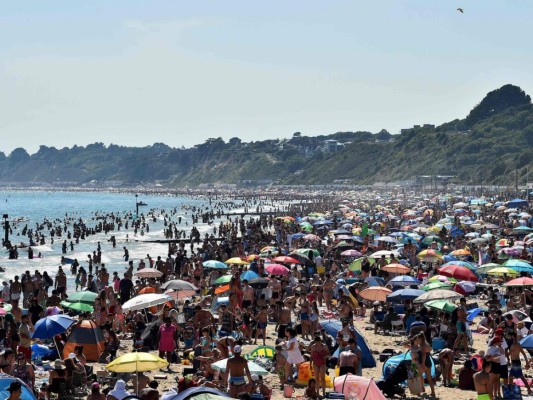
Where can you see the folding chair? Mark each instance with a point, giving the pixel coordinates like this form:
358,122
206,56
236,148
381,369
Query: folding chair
397,327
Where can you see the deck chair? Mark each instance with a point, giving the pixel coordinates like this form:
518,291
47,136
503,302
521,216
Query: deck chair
398,328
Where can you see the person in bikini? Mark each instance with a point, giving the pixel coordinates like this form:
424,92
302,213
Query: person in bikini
319,357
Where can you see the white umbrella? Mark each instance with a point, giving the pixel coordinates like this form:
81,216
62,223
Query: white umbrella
149,273
178,284
439,294
147,300
387,239
253,367
380,253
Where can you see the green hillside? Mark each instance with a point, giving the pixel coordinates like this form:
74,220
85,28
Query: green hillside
491,144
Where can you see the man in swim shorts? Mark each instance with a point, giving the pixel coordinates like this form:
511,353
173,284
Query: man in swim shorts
237,368
483,382
516,366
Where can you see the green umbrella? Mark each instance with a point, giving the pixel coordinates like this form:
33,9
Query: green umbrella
442,305
307,252
223,279
85,297
78,306
431,239
436,285
355,265
484,268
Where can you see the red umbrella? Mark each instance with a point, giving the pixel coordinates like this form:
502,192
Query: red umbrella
286,260
525,281
277,269
459,273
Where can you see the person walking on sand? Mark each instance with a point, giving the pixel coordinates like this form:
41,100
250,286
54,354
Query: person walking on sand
237,368
516,365
483,382
319,358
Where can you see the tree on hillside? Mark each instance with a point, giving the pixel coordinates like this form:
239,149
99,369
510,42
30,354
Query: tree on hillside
507,96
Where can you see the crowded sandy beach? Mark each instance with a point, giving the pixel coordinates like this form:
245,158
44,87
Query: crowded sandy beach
298,293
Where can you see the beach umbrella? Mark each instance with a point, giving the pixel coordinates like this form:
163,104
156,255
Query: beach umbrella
351,253
459,273
465,264
272,249
78,306
524,281
380,253
430,255
503,271
248,275
149,273
136,362
461,253
147,289
286,260
236,261
375,293
342,245
484,268
253,367
465,287
396,268
386,239
144,301
403,280
308,252
436,285
442,305
223,279
178,284
48,327
5,382
479,241
518,265
311,237
431,239
400,296
86,297
215,264
439,294
277,269
252,257
442,278
527,342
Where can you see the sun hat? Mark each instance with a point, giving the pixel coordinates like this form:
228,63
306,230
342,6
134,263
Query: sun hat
58,364
72,356
119,392
237,349
255,377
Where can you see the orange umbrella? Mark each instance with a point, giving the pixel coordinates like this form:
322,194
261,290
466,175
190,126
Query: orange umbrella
221,289
396,268
375,293
147,289
461,252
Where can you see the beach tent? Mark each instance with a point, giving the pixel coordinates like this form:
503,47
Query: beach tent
517,203
5,381
358,387
87,334
333,326
392,363
193,393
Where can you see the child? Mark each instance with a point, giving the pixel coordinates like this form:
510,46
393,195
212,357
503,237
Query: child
262,320
281,365
310,392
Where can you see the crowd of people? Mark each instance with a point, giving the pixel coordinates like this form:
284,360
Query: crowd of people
269,280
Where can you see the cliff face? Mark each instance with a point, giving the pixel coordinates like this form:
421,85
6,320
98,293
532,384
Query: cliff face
493,143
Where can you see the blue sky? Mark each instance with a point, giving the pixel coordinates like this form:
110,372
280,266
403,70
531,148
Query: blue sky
138,72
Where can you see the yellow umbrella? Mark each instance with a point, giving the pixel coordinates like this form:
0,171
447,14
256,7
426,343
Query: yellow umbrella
236,261
500,271
136,362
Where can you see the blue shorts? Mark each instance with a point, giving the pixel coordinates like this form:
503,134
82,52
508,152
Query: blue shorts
188,343
261,325
304,316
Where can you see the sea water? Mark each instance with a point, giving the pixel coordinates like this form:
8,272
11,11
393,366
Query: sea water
36,206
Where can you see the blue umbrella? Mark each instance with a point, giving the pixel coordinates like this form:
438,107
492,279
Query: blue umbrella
473,313
215,264
404,280
48,327
298,235
518,265
405,294
249,275
527,342
323,222
5,381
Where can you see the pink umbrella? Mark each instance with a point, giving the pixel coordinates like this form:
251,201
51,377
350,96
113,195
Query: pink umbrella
277,269
351,253
310,236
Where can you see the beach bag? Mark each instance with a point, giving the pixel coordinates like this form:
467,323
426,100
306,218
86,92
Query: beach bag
415,386
511,392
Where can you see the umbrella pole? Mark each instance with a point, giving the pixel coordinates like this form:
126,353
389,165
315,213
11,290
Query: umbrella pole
137,384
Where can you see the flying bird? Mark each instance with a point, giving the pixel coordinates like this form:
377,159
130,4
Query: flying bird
461,10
